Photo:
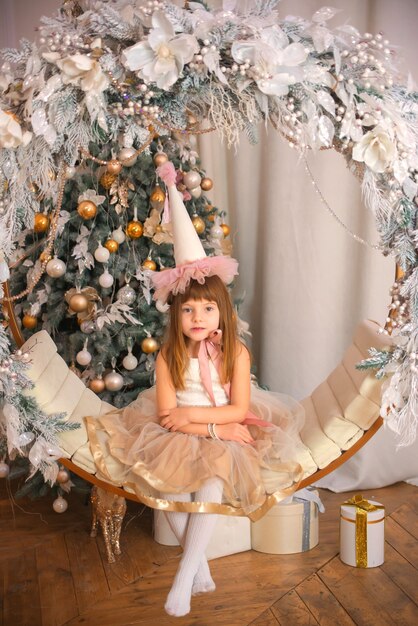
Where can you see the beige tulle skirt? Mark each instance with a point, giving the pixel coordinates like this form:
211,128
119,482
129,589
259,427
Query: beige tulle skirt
130,448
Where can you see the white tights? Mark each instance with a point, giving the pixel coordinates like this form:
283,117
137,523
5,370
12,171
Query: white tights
193,531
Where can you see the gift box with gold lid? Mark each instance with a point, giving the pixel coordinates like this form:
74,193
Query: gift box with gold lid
289,527
362,532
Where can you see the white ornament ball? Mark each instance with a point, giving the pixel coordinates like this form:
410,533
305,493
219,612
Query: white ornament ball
113,381
192,179
106,280
60,505
69,172
128,156
196,192
83,357
118,235
127,295
130,362
55,268
4,470
101,254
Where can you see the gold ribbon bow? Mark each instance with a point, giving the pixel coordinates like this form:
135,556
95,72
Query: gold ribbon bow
363,507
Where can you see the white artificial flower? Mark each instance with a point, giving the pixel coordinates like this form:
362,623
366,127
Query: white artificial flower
376,149
161,58
79,69
276,62
5,80
11,135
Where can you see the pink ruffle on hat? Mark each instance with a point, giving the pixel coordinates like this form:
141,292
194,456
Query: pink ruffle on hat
190,257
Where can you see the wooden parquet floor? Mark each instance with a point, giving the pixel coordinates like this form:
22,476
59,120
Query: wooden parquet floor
53,574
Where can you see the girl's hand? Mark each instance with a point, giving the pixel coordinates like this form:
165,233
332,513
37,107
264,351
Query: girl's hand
234,432
173,419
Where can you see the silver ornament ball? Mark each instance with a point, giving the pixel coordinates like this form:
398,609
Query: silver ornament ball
196,192
63,476
192,179
113,381
87,327
126,295
56,268
4,470
128,156
83,357
60,505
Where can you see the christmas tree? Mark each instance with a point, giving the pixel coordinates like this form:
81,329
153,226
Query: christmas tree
112,233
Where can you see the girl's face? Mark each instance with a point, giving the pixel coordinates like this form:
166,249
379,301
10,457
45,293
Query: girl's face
199,318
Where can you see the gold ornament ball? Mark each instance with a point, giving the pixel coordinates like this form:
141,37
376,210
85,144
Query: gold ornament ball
206,184
149,264
134,229
41,223
111,245
160,158
198,224
97,385
157,198
114,166
149,345
226,229
87,209
78,303
29,322
107,179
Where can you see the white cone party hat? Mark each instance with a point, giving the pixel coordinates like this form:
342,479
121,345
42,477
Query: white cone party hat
189,254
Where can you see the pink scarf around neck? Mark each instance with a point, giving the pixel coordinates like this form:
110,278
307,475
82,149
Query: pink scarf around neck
210,350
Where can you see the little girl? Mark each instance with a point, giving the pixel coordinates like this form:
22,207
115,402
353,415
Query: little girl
190,446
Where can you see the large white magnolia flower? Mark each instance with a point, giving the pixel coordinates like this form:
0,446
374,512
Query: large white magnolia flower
376,149
79,69
276,62
11,135
161,58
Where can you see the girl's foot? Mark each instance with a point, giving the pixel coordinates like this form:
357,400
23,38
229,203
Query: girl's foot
203,582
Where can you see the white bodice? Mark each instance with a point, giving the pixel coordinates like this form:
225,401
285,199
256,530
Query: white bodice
194,393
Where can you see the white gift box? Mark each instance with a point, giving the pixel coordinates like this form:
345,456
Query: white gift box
362,543
288,527
231,535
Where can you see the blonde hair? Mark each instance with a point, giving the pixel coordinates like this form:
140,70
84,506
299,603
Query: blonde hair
175,349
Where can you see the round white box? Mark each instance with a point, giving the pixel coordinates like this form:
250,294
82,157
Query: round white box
375,536
281,530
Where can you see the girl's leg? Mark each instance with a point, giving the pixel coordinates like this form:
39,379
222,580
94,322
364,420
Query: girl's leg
178,522
199,531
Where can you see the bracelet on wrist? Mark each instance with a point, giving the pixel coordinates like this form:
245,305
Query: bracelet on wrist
212,431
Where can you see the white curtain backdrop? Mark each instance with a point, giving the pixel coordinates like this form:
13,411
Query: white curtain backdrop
307,283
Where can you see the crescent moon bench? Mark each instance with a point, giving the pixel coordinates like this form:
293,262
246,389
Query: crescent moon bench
342,413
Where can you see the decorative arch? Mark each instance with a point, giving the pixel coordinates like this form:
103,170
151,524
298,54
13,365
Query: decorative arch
192,70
